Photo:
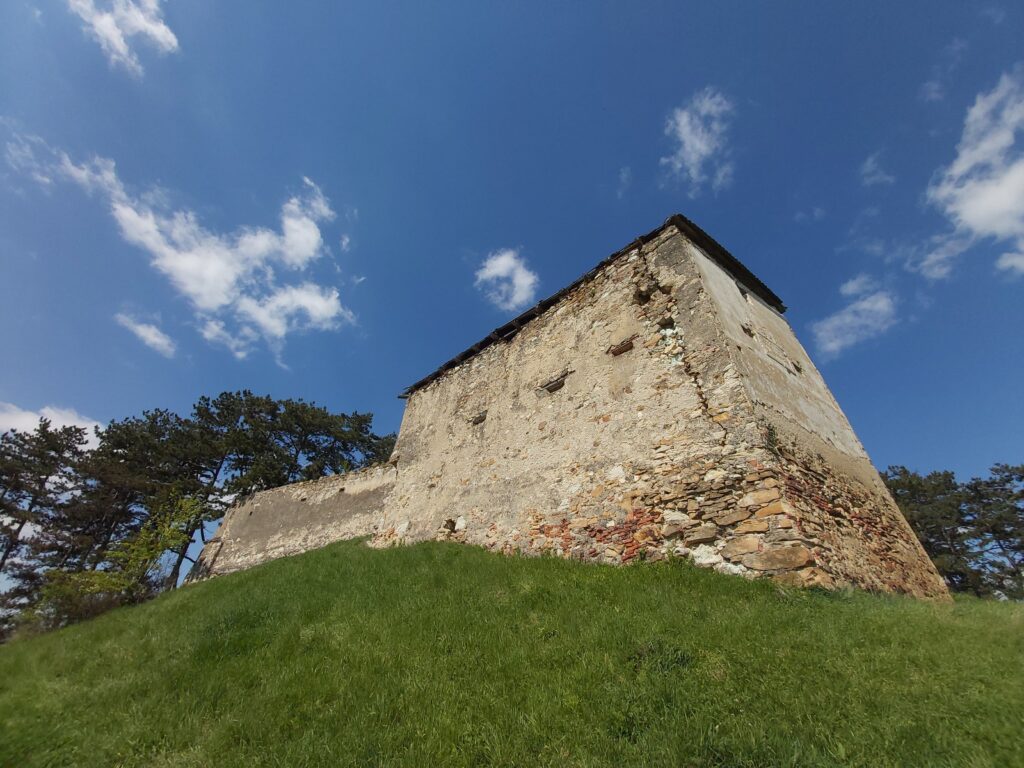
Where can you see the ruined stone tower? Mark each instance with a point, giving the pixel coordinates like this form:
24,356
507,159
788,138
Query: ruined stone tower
660,405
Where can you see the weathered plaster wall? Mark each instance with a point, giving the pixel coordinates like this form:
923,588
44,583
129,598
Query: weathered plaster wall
584,452
657,408
777,372
296,518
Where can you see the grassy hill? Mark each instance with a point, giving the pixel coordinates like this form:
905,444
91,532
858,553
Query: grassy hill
441,654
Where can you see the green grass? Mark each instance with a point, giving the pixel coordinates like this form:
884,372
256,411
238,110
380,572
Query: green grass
441,654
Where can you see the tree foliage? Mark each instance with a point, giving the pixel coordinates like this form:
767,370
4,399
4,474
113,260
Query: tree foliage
83,529
37,470
973,531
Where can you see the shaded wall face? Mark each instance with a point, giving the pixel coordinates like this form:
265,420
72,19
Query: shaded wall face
778,374
841,508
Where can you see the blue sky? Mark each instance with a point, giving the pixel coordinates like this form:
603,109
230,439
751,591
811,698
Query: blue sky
327,200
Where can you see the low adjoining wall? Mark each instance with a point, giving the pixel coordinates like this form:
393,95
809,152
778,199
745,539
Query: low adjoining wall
296,518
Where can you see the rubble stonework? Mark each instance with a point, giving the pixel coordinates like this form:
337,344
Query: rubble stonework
661,406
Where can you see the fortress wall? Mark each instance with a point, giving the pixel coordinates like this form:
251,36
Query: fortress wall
539,458
296,518
656,408
639,454
841,507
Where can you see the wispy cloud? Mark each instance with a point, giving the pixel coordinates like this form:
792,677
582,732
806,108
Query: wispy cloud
873,174
239,343
981,192
858,285
506,280
112,24
935,259
934,88
625,181
868,315
230,279
816,213
994,14
20,153
24,420
148,334
700,130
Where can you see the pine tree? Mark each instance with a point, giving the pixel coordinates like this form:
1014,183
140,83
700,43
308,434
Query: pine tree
114,524
994,506
973,531
38,471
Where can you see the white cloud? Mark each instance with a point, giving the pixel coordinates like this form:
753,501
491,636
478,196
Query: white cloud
148,334
865,318
982,191
13,417
112,24
872,173
212,270
300,241
506,281
294,307
855,286
232,280
345,243
700,130
625,181
1011,262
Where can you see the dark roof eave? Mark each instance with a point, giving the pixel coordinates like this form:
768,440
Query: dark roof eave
695,234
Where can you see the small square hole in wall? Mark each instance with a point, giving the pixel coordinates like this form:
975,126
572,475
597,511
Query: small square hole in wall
555,384
623,346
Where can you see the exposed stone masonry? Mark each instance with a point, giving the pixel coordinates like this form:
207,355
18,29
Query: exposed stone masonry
658,408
